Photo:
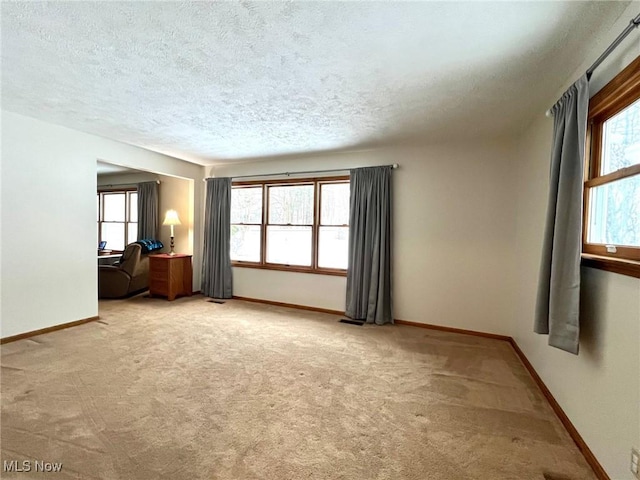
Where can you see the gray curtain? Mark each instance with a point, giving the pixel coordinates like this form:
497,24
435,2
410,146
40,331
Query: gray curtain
216,267
369,271
147,210
558,302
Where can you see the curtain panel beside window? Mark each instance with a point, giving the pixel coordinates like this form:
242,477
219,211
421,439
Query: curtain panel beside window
369,270
148,210
216,266
558,302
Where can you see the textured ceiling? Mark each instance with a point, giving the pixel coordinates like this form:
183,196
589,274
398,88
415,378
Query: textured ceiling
212,82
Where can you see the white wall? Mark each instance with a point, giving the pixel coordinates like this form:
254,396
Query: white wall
600,388
453,236
49,182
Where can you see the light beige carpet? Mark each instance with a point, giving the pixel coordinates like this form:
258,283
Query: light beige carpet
193,390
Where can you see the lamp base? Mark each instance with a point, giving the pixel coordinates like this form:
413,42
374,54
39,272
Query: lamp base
172,252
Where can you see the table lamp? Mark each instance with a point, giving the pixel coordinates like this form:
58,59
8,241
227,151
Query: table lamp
171,218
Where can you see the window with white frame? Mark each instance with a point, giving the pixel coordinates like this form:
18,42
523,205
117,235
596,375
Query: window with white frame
117,217
298,225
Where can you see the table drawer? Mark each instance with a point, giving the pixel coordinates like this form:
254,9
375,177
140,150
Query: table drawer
156,275
158,265
159,286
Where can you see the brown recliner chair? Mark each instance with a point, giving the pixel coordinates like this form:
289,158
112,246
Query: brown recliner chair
131,275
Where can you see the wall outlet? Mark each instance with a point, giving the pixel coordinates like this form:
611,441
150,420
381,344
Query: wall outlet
635,461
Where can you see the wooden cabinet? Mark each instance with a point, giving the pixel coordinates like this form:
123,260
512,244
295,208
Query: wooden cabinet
170,275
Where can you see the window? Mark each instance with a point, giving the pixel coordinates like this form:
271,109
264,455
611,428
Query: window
611,236
118,218
300,225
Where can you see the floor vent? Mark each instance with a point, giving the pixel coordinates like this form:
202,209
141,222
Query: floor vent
219,302
351,322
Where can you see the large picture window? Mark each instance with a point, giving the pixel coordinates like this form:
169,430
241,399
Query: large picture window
118,218
300,225
612,185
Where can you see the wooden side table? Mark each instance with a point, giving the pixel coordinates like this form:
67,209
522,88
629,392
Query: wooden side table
170,275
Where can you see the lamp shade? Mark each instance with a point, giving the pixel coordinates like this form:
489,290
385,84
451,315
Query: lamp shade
171,218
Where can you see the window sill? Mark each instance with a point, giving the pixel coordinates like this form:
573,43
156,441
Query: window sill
623,267
284,268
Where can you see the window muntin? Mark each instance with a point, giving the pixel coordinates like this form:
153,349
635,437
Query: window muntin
133,208
247,205
612,185
290,224
614,213
334,204
289,245
117,218
246,223
289,234
621,140
245,243
333,231
291,204
114,206
333,247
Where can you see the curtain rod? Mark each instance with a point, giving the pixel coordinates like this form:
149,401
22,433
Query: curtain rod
125,184
634,23
394,165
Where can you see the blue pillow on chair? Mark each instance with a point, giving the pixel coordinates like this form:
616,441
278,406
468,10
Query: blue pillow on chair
150,245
